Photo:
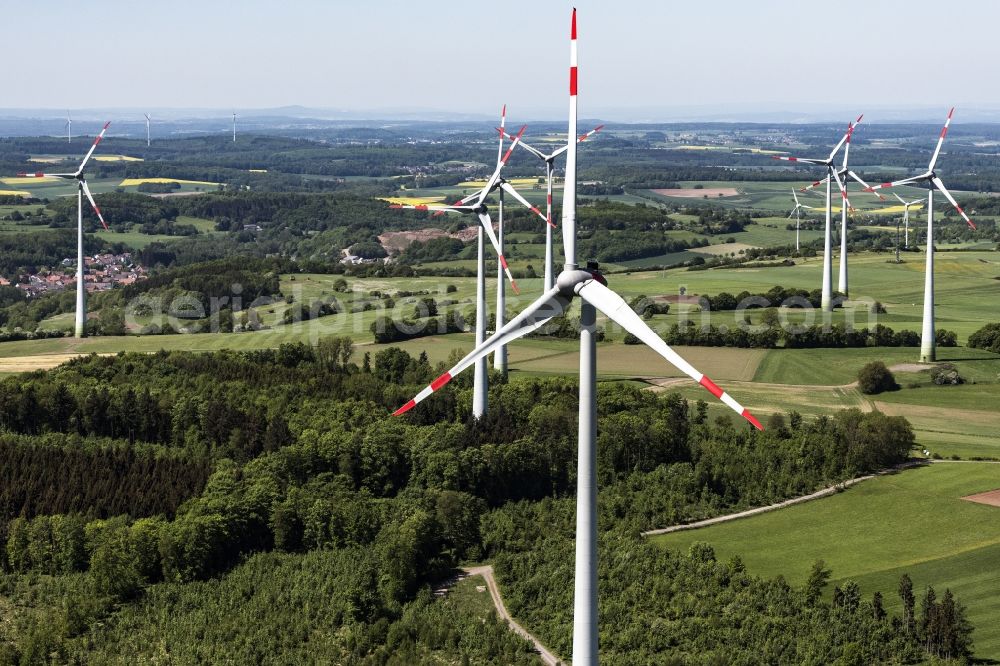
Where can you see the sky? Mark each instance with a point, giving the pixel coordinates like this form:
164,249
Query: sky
637,58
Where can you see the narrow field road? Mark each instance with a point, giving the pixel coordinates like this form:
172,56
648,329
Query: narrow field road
486,572
830,490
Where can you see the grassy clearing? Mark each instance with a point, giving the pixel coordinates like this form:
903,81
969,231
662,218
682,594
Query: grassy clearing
913,521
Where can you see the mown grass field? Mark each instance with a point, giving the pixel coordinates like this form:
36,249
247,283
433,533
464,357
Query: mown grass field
911,522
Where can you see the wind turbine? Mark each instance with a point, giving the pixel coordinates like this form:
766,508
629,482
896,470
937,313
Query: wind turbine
147,129
549,174
591,287
69,128
927,351
844,173
832,173
82,189
795,212
475,203
906,217
234,127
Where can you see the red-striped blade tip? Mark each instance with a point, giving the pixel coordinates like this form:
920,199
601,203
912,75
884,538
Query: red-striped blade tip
513,285
440,381
752,419
859,118
405,408
572,33
107,124
511,149
951,112
712,387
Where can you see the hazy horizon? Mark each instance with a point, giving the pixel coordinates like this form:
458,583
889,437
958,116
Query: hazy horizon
450,57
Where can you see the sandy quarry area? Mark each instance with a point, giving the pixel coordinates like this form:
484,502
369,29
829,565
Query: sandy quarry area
400,240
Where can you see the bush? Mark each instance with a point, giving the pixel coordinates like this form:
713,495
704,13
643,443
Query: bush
945,338
876,378
988,338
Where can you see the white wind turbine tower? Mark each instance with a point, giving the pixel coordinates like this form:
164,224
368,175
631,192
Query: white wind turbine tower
69,128
549,176
927,343
147,129
234,127
844,173
795,212
476,203
82,189
500,355
906,217
827,244
591,287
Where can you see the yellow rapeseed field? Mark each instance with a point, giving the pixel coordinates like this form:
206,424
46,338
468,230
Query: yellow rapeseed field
129,182
24,181
412,201
513,181
117,158
14,193
891,210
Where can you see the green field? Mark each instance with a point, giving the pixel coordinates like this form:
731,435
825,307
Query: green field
910,522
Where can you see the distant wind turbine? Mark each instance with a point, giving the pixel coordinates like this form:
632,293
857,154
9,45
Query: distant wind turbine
82,189
844,173
476,203
69,128
927,342
549,160
147,129
832,174
906,217
795,212
234,127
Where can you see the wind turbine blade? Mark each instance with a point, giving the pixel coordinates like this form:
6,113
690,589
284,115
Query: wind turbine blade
531,149
902,181
86,190
580,139
863,184
847,135
796,197
792,213
508,188
947,195
549,305
804,160
814,184
843,190
944,133
503,123
442,210
569,186
484,219
100,137
899,198
46,175
616,309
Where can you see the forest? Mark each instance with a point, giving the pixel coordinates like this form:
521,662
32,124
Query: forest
302,521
